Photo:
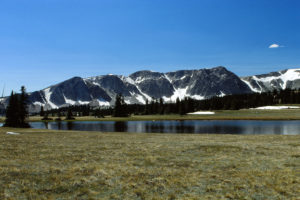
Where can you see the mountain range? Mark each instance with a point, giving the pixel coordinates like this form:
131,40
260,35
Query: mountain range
146,85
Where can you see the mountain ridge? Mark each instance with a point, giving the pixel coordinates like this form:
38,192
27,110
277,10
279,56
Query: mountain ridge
144,85
278,80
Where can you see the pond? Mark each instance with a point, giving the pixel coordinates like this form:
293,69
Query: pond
186,126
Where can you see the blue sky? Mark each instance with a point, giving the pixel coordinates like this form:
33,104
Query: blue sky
45,42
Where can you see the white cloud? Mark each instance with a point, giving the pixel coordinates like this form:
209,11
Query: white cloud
274,46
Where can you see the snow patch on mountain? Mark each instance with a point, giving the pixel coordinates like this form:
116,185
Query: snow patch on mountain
251,87
273,80
143,85
140,79
197,97
222,94
144,94
179,93
48,93
37,103
69,101
127,101
168,78
128,80
103,103
140,98
289,75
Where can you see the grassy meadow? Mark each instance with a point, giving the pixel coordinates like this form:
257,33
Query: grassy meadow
44,164
244,114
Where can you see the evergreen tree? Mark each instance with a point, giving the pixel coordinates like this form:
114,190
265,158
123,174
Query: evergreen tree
177,106
58,116
146,111
12,112
23,108
182,110
16,112
117,110
42,112
46,117
120,109
70,115
161,106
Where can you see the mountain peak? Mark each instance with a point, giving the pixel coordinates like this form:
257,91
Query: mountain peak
145,84
280,80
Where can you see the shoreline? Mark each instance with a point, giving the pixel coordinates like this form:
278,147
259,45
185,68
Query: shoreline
243,114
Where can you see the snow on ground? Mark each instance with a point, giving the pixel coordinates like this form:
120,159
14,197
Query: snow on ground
276,107
12,133
202,113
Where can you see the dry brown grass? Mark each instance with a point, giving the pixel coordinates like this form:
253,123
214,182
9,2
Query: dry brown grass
43,164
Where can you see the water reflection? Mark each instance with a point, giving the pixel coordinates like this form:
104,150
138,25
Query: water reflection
46,124
58,125
70,125
120,126
188,126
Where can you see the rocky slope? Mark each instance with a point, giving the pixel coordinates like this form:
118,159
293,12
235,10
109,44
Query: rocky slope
138,87
289,78
145,85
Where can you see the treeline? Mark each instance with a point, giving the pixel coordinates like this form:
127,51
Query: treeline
158,106
252,100
16,111
72,112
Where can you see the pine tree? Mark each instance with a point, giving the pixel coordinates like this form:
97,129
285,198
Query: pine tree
120,109
16,112
161,106
11,111
117,109
146,111
70,115
182,110
42,112
23,108
46,116
177,105
58,116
